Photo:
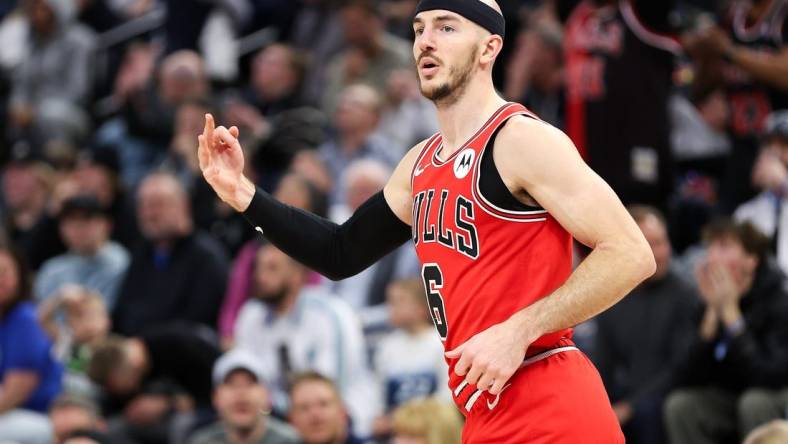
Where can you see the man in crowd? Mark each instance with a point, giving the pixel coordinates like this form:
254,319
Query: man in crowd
242,401
317,411
738,346
177,273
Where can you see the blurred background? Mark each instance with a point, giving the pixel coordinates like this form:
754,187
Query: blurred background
135,307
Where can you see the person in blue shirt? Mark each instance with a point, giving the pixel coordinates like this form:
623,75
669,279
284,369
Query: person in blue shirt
30,377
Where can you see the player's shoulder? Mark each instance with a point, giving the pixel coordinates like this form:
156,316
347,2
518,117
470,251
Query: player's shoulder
522,134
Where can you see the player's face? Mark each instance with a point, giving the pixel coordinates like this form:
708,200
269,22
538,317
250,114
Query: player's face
240,401
317,413
446,51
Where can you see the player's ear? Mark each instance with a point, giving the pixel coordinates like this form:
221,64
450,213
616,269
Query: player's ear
491,47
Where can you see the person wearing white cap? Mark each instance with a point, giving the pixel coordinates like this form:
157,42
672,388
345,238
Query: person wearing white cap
242,401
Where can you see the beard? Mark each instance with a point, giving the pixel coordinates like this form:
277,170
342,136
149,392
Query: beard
451,91
274,297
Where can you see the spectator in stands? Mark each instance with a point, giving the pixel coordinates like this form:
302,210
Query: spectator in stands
29,376
767,211
635,362
356,118
317,411
294,329
152,376
746,54
372,54
276,79
149,96
535,73
70,413
92,260
409,361
86,324
366,291
296,191
426,421
737,349
242,401
54,81
177,273
408,117
26,187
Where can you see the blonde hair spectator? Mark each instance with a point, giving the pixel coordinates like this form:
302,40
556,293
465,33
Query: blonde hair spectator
426,421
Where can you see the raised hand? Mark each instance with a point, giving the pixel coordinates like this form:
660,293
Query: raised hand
222,164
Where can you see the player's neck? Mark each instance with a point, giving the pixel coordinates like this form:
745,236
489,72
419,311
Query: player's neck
460,119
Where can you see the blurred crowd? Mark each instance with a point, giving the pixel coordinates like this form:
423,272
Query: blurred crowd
135,307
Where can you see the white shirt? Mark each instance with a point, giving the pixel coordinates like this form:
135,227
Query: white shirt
411,366
320,333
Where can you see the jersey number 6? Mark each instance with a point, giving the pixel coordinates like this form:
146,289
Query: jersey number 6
433,282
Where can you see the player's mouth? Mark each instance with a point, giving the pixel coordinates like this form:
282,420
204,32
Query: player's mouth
428,67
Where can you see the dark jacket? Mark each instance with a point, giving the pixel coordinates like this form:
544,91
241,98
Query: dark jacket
758,357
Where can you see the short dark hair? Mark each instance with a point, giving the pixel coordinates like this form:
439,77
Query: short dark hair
751,239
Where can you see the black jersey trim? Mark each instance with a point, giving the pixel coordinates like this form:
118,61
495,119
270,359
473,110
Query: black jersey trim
438,162
533,214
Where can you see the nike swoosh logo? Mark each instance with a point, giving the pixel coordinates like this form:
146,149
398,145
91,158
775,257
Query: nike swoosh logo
419,171
497,398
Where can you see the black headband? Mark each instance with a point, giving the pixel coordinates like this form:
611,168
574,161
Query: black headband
473,10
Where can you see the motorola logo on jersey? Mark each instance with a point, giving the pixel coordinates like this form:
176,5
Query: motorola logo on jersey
451,226
463,163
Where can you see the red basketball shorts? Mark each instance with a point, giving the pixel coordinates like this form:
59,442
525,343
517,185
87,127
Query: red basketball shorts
558,399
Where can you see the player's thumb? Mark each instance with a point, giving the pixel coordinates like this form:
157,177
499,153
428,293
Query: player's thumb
456,353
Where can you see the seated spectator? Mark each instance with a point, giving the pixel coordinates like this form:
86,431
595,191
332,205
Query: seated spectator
177,273
92,260
86,324
26,188
160,380
70,413
770,175
409,361
426,421
241,399
294,329
356,118
372,53
366,291
274,85
737,348
54,81
294,190
407,117
148,95
29,376
634,362
317,411
775,432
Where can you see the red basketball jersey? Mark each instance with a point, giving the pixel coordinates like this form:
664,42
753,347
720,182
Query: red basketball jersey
481,263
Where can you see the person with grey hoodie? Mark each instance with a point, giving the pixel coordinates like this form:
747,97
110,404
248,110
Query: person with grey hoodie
54,79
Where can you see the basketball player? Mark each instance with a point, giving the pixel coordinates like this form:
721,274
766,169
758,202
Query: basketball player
491,203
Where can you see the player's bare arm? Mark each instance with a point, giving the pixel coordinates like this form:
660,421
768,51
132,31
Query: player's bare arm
540,160
337,251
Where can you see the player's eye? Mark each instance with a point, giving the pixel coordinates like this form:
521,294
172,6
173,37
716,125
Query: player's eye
419,31
447,28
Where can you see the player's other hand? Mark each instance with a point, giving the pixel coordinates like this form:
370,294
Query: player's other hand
491,357
222,164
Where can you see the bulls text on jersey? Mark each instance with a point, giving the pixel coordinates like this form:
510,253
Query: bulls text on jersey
427,227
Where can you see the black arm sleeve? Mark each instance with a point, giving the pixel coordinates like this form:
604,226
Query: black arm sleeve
335,251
